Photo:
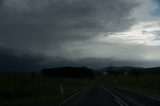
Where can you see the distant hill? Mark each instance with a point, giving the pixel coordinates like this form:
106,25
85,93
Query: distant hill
129,70
114,68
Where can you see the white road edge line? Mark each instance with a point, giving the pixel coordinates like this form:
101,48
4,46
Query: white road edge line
119,102
155,98
115,96
152,96
69,98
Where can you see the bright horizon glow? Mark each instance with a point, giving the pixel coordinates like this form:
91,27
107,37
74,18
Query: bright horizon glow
143,33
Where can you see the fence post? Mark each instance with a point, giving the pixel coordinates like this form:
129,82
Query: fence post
61,88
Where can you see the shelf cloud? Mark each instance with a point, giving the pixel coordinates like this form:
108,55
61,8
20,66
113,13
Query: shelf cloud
69,32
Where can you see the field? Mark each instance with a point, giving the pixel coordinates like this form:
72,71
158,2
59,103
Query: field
29,87
143,83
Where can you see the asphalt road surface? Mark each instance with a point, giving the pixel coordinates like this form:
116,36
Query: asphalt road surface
98,95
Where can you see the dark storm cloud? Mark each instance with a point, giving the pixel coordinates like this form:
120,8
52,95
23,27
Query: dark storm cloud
27,23
15,60
11,60
44,25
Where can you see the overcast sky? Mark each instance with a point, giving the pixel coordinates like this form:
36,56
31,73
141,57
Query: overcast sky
94,33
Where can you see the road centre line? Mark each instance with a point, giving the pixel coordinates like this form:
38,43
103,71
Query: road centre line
71,97
154,97
119,100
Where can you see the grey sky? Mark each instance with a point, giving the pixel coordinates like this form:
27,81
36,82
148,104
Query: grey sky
74,32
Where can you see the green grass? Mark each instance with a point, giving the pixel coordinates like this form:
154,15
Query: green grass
146,83
27,87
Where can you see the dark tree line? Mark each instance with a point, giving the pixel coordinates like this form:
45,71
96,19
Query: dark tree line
74,72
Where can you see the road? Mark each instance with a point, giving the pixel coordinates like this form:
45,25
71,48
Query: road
99,95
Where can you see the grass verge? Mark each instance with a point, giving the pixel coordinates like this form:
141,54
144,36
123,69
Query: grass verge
143,83
26,87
